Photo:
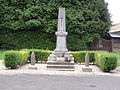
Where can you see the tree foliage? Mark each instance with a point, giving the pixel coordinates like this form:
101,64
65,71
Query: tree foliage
85,19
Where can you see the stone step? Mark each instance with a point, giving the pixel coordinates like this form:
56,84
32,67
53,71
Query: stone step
60,66
60,69
60,63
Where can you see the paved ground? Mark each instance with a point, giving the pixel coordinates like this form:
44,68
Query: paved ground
52,82
44,79
43,70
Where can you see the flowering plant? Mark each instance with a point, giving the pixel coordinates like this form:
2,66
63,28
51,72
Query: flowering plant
67,58
61,54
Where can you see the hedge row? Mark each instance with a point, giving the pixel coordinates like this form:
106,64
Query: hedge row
106,61
79,56
40,55
14,59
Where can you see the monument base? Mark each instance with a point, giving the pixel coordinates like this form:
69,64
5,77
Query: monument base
63,56
87,69
60,66
32,67
59,63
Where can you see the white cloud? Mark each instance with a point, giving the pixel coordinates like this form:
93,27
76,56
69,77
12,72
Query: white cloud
114,9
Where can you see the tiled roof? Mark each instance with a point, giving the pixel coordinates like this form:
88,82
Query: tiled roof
115,35
115,28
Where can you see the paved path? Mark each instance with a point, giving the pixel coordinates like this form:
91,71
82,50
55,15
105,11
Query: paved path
43,70
52,82
43,79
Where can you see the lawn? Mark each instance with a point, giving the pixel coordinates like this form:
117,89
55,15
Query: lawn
1,55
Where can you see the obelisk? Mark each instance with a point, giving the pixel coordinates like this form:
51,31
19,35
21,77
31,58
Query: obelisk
61,32
61,46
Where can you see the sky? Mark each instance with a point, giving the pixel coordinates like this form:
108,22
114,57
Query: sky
114,9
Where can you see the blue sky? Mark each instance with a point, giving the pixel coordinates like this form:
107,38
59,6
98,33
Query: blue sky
114,9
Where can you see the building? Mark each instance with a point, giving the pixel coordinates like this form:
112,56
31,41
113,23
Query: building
111,42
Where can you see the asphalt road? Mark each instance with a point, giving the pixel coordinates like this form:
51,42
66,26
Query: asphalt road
48,82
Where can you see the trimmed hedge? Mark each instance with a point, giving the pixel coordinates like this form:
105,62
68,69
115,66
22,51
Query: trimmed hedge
25,57
14,59
79,56
40,55
106,61
98,55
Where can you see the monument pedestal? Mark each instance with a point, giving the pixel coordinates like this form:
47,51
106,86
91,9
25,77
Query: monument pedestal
59,63
32,67
56,56
87,69
66,62
60,66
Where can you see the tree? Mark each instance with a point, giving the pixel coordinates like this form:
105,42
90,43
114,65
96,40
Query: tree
86,19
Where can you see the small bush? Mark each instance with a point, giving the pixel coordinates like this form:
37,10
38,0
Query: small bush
106,61
14,59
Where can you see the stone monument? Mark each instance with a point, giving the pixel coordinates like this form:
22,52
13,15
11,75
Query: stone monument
61,54
87,68
32,59
87,60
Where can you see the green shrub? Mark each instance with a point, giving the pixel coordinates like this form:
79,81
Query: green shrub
14,59
97,55
92,56
79,56
40,55
2,54
76,57
106,61
25,57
